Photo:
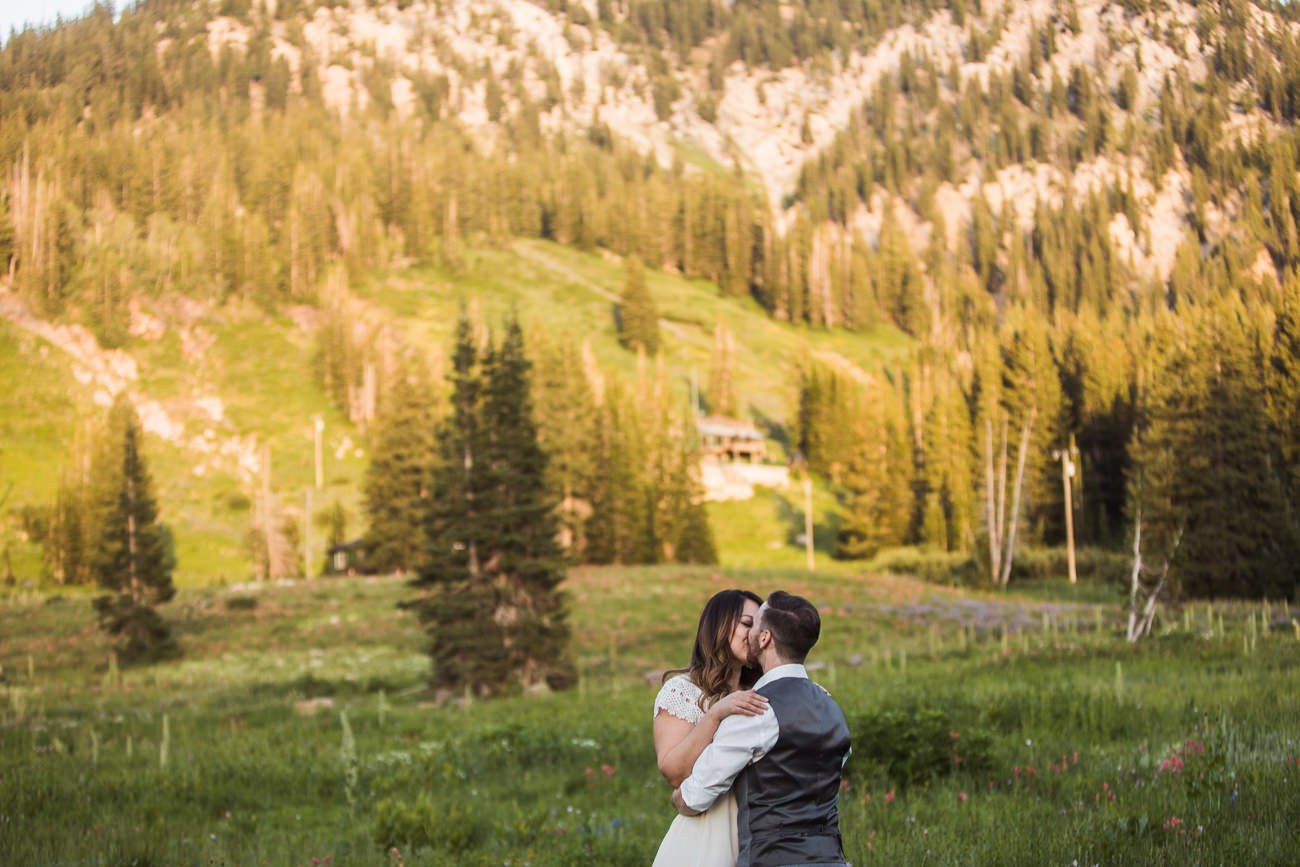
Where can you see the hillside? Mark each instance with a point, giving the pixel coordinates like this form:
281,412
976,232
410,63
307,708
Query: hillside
216,384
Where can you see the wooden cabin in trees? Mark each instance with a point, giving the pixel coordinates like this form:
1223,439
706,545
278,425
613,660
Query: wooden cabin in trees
730,439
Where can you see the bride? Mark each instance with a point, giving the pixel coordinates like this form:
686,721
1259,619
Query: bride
687,711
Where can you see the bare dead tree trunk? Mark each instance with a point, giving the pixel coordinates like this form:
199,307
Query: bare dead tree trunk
1135,579
1002,486
1139,624
995,541
1010,552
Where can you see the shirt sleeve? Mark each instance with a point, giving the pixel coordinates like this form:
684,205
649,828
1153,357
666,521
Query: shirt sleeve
738,741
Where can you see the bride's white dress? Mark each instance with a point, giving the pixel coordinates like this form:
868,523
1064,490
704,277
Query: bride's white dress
709,839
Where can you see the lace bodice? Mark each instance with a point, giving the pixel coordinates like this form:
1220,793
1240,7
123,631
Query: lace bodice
681,698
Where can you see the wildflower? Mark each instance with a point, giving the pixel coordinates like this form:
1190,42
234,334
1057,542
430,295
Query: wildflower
953,735
1173,823
866,799
961,796
589,772
1076,757
889,797
608,769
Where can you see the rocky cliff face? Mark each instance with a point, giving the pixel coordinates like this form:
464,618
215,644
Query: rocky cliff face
765,124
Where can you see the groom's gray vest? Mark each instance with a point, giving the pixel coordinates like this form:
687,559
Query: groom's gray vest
788,799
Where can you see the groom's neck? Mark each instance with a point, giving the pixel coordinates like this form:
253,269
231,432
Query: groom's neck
767,663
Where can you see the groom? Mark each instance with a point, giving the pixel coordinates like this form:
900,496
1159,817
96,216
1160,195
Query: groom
786,762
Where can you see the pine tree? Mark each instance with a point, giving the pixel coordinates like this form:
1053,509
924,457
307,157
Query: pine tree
131,557
878,479
1210,499
456,605
619,530
1283,387
637,316
397,480
490,579
568,427
722,372
524,558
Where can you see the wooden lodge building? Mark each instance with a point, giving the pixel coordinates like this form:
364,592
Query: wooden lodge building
730,439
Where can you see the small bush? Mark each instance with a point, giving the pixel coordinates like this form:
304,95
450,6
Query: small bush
912,746
241,603
1092,564
423,824
954,569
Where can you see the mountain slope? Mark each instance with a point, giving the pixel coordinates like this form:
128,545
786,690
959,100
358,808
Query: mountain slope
216,384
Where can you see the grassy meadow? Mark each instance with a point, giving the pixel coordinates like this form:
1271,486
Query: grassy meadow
989,728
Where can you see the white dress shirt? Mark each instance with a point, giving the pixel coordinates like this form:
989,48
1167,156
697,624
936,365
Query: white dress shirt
738,741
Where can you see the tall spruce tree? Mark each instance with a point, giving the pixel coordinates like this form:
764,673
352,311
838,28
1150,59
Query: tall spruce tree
491,602
523,553
878,477
131,557
637,316
568,426
1210,498
397,480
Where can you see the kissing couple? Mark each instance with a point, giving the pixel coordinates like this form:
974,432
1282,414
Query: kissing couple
752,747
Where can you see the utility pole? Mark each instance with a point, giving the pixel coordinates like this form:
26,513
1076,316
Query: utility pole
306,540
266,506
1066,457
320,466
808,521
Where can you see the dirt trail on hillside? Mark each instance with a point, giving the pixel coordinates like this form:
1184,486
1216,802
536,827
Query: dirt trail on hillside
573,276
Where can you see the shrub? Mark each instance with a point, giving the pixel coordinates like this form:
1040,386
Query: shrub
937,567
241,603
911,746
422,824
1092,564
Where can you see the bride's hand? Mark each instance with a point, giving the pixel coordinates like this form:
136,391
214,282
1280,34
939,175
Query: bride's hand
745,702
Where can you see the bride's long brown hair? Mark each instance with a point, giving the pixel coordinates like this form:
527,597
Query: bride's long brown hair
711,657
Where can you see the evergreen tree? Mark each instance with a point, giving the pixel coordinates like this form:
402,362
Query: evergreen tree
619,530
638,319
1283,384
568,428
1210,499
490,579
466,644
397,480
524,559
878,479
131,559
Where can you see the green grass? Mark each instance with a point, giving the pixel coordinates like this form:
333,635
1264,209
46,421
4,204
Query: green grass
256,771
41,408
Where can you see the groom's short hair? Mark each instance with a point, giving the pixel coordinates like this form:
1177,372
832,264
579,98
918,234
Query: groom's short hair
794,623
